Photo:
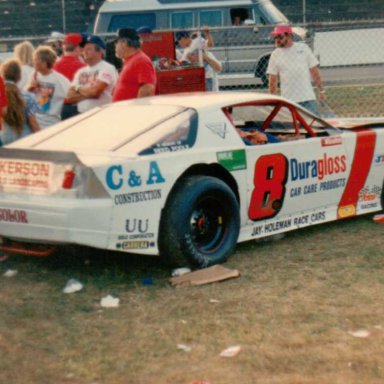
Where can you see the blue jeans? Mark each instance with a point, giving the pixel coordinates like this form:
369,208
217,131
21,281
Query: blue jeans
311,105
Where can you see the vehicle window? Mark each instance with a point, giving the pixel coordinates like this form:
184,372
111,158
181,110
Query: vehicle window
182,20
279,122
212,18
109,128
239,15
175,134
133,20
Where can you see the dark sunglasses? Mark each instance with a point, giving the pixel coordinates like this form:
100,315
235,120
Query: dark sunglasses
278,37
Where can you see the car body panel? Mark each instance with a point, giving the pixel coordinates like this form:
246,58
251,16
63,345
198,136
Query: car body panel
118,194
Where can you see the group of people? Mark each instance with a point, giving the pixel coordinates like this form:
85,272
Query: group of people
69,75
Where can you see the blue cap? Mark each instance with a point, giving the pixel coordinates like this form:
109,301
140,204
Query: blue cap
143,29
84,37
93,39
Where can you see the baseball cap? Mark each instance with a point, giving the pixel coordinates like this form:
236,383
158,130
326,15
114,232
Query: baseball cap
179,35
55,36
144,29
280,29
93,39
84,38
74,39
127,33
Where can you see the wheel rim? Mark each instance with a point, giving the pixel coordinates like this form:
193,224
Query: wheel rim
208,225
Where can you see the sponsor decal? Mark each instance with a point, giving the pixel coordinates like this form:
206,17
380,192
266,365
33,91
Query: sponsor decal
136,236
330,141
378,160
219,129
25,174
116,179
232,160
133,225
346,211
138,228
369,205
369,197
295,222
137,197
319,168
13,216
273,171
135,244
171,148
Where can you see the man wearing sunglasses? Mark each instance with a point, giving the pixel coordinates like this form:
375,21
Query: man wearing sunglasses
294,65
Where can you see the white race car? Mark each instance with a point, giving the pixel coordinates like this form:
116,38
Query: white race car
186,176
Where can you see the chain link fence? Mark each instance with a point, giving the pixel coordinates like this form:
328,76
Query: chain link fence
351,57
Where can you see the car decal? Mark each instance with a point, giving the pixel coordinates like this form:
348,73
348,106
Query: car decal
269,181
232,160
219,129
361,165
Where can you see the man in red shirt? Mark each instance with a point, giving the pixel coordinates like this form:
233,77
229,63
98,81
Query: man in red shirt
68,65
70,62
138,76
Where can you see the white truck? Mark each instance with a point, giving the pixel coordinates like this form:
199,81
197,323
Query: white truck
240,28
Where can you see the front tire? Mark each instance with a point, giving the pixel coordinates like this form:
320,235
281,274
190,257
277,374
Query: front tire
200,223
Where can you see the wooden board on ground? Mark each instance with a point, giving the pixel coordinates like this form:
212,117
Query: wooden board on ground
205,276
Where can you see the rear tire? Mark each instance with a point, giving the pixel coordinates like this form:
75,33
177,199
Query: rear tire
200,223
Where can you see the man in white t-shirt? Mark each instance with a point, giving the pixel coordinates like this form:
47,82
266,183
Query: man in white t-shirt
49,87
294,64
212,67
93,85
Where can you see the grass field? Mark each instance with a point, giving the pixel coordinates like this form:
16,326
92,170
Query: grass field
290,311
354,100
357,100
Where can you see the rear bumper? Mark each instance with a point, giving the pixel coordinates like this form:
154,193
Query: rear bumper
60,221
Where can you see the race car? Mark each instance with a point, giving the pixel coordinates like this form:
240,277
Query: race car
184,177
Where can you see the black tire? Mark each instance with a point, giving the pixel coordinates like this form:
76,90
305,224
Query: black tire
200,223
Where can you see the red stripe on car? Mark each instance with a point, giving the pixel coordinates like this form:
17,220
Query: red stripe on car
361,165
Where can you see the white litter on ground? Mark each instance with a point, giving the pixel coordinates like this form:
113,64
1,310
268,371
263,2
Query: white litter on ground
180,271
184,347
360,333
110,302
10,273
231,351
72,286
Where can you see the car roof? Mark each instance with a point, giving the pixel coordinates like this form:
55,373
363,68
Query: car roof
204,100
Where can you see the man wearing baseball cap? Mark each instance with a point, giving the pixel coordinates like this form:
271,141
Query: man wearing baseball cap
55,40
294,64
93,85
70,62
138,77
